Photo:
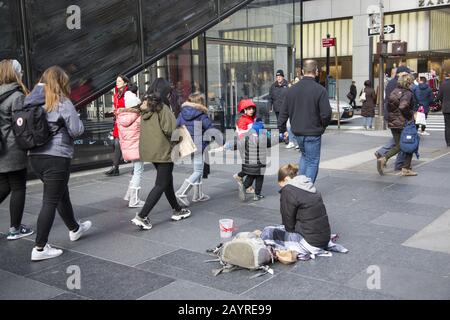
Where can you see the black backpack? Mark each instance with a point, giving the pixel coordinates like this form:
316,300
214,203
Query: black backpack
31,128
3,139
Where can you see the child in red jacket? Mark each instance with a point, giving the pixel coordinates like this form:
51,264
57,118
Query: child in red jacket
247,129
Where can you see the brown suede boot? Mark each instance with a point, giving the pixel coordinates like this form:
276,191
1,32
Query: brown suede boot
408,173
381,164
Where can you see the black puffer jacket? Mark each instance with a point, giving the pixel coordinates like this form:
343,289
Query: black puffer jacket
400,108
303,211
253,152
277,94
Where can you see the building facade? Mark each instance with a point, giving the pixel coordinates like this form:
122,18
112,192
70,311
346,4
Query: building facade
238,57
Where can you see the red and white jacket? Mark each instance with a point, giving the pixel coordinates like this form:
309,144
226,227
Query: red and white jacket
244,125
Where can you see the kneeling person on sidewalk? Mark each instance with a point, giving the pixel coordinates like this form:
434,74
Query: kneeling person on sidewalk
302,208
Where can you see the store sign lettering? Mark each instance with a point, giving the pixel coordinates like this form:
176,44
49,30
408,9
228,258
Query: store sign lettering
430,3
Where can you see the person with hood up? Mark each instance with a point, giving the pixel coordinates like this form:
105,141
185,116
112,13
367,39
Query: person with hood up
253,153
194,115
424,98
13,160
129,128
302,208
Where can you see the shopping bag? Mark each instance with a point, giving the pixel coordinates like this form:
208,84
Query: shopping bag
421,119
186,146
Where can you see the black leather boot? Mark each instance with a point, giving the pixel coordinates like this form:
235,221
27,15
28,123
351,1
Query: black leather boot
113,172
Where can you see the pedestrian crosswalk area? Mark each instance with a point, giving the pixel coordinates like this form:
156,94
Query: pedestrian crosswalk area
435,122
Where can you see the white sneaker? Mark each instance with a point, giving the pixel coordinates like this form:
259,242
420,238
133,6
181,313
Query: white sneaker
142,223
47,253
290,145
85,226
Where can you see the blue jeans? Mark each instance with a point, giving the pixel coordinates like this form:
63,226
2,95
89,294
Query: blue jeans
196,176
138,170
310,147
400,160
291,136
368,122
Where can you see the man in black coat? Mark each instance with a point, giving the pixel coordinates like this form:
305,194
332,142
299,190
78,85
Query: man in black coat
277,93
308,107
353,93
444,97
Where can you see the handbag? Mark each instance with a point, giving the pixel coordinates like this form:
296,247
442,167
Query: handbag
350,96
186,146
363,97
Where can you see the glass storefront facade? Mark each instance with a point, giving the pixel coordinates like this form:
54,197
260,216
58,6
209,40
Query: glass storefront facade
238,59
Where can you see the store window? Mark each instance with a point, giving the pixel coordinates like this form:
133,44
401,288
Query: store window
313,33
181,68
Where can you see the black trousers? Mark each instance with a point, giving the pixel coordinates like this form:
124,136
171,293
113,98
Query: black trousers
54,173
447,128
14,183
117,153
163,184
258,185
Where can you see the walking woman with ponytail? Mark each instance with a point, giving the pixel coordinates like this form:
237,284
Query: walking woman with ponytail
51,162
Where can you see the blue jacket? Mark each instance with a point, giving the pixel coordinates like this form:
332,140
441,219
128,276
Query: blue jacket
195,116
424,96
61,145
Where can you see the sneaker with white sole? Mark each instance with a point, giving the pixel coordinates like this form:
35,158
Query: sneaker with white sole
180,215
47,253
290,145
142,223
83,227
22,232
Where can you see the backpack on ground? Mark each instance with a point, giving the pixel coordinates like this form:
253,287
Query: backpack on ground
410,139
4,138
245,251
31,128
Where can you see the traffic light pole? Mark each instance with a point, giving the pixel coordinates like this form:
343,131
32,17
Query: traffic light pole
380,122
328,65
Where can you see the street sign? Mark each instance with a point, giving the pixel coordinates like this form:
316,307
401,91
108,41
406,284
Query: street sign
388,29
329,42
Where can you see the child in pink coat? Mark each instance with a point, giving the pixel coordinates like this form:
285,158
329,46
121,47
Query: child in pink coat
129,124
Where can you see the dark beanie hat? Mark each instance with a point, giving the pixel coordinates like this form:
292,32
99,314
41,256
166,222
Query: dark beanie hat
280,73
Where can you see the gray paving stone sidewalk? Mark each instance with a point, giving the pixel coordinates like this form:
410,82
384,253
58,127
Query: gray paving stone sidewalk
388,222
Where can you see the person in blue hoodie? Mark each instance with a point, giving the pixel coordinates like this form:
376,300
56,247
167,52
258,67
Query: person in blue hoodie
51,162
194,115
424,98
